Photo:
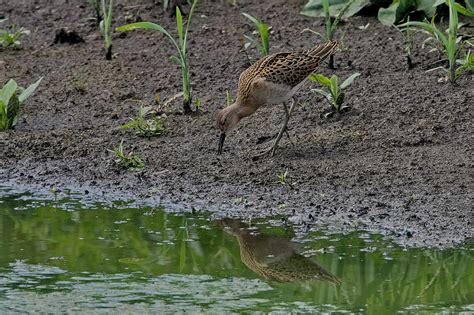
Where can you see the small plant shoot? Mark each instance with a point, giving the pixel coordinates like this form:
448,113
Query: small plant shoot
181,46
449,41
145,127
128,161
330,25
263,31
11,37
333,92
10,102
106,27
282,177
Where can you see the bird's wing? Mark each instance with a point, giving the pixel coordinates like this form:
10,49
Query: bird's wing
254,72
289,68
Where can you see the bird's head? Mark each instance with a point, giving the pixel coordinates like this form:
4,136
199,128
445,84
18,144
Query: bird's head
227,120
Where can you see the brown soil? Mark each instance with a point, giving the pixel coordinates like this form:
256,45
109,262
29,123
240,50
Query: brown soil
399,161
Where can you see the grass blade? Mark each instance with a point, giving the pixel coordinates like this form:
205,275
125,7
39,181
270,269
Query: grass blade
26,93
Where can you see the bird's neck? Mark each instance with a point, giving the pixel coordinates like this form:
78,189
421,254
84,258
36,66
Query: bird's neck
246,108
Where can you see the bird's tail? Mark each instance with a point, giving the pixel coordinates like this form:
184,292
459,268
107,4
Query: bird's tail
323,50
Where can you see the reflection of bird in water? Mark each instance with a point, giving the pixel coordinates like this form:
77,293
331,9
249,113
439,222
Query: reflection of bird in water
275,257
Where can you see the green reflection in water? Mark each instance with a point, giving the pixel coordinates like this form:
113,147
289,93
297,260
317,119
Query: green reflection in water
66,256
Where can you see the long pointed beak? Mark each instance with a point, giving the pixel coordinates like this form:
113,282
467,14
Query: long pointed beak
221,143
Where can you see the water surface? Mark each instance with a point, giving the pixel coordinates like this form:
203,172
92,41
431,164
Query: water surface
69,256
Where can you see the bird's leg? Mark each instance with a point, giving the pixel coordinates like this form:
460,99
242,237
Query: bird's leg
288,112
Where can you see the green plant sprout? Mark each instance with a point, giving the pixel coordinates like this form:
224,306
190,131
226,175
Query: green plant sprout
96,4
330,25
334,93
263,30
128,161
198,104
466,64
181,47
408,35
447,39
10,102
106,27
145,127
282,177
11,38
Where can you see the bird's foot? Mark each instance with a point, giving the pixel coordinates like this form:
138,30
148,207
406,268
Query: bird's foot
270,151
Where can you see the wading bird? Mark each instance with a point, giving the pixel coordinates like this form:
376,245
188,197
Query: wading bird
273,79
275,257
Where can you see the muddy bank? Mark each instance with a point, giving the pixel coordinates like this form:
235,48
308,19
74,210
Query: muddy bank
399,161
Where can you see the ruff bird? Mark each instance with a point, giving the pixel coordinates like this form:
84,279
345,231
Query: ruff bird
274,79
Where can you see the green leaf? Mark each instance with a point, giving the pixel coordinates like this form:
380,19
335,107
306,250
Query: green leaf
463,10
13,108
388,16
26,93
428,27
147,26
315,8
251,18
7,91
188,23
179,24
320,78
349,80
177,60
319,91
334,87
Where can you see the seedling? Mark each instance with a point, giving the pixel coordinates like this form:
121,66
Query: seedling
466,64
331,25
128,161
10,102
448,39
282,177
11,38
145,127
334,92
181,47
262,29
198,104
106,27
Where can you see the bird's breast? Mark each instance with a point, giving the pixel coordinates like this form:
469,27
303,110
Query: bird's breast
272,93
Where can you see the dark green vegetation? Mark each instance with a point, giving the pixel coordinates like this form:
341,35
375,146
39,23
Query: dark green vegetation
333,91
448,42
331,25
389,13
262,30
129,161
10,102
143,126
68,255
106,26
10,37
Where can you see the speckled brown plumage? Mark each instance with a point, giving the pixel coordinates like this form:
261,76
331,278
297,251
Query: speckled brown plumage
288,69
271,80
275,257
